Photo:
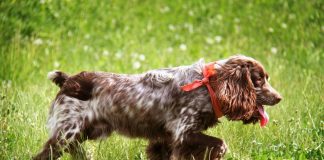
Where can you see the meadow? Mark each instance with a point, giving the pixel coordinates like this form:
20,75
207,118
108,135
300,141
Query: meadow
138,35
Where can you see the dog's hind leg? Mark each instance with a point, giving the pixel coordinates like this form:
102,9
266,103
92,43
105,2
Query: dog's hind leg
65,138
51,149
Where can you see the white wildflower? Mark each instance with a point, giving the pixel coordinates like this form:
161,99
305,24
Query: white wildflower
284,25
35,63
270,30
274,50
119,55
56,15
273,16
47,51
237,20
292,16
170,49
149,27
165,9
87,36
209,40
171,27
86,48
42,1
105,53
183,47
189,27
219,17
70,34
126,28
218,39
141,57
56,64
38,41
256,142
191,13
136,65
177,36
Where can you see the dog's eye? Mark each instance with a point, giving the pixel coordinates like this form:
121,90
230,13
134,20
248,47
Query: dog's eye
259,79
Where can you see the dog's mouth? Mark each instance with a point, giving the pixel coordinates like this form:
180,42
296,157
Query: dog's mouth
264,118
259,114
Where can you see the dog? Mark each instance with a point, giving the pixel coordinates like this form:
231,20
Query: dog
168,107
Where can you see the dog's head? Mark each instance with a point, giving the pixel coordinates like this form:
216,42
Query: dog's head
243,89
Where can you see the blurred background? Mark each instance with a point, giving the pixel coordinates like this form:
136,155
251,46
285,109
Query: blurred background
138,35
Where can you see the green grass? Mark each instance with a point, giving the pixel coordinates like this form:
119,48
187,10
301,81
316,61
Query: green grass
285,35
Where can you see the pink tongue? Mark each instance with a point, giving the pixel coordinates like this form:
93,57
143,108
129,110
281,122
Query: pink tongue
264,116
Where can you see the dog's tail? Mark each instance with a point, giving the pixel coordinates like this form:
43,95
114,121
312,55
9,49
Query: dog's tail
57,77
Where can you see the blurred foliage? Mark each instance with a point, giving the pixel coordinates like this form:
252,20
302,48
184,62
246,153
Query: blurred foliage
138,35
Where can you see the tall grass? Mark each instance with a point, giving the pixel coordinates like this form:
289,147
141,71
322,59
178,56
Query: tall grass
135,36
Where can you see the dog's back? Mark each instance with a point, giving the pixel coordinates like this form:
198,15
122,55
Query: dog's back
144,105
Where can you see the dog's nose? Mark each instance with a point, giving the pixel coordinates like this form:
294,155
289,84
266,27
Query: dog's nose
278,98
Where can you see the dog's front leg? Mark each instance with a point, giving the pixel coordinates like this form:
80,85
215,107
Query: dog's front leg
159,149
199,146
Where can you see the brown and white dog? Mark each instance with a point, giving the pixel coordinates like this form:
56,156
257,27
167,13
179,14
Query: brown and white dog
153,106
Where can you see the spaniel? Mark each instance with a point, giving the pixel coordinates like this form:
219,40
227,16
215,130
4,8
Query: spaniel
168,107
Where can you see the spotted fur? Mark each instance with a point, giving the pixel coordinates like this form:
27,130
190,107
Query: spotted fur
151,105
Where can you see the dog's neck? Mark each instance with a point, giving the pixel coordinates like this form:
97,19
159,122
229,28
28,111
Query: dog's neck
220,63
208,72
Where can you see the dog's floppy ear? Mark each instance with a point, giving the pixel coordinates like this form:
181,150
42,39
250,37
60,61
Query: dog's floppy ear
235,89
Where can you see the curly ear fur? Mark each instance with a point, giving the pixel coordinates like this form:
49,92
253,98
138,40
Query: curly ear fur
235,89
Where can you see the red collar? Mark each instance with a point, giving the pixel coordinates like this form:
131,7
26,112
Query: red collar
208,71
